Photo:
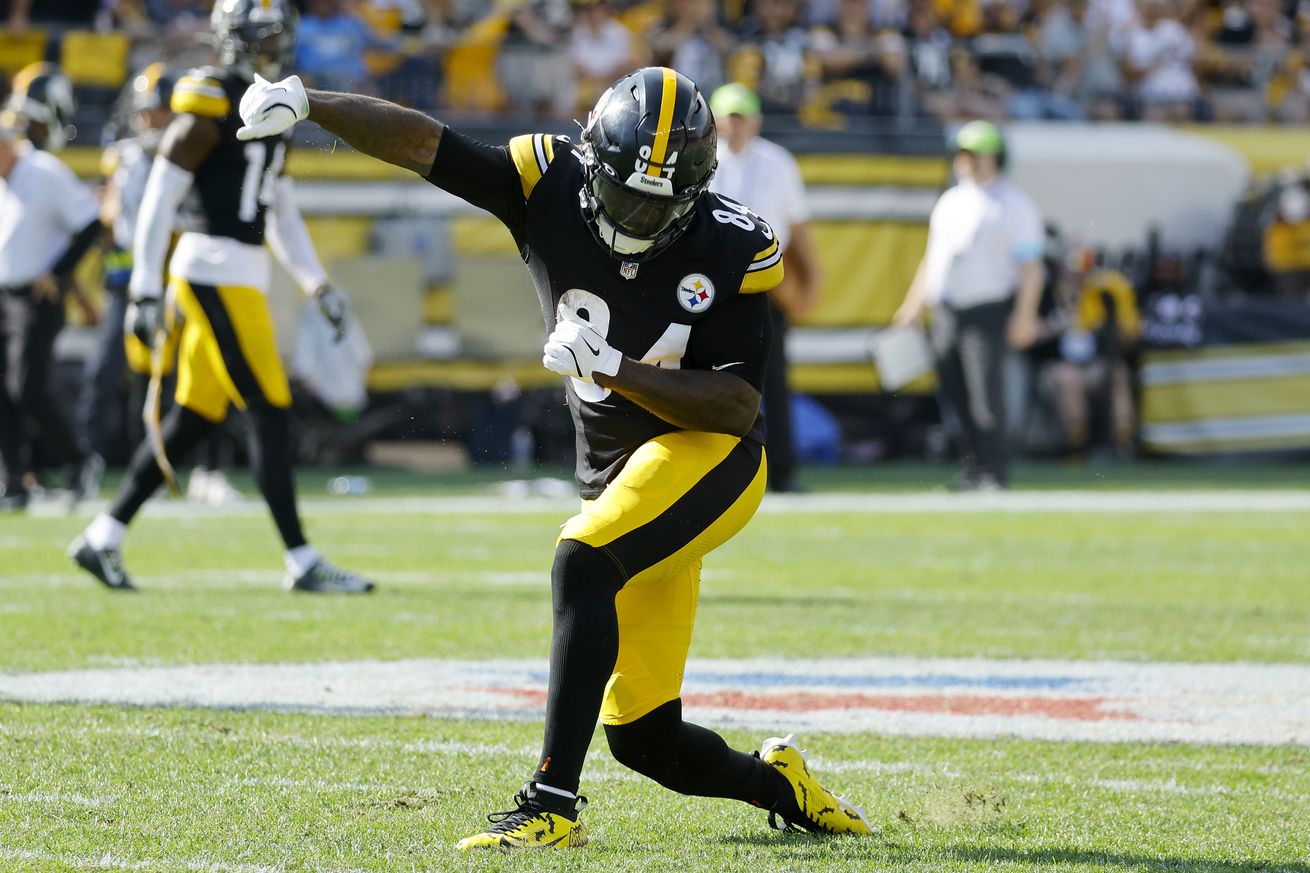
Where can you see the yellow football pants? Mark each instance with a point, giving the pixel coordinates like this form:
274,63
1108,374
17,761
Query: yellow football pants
681,496
228,350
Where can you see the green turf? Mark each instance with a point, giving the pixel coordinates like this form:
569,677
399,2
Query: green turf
81,787
394,793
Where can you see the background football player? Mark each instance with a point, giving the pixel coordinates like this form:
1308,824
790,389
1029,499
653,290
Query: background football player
126,165
219,276
48,220
652,290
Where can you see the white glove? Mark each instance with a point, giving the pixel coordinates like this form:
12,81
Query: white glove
269,108
576,349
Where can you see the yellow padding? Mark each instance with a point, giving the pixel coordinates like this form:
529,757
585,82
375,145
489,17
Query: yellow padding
98,60
1199,401
1208,446
481,236
867,268
1266,149
19,50
467,375
906,171
342,237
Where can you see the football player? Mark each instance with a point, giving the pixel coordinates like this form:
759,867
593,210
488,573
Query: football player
234,197
125,165
653,291
41,106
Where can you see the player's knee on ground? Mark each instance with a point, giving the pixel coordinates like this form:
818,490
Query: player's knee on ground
583,574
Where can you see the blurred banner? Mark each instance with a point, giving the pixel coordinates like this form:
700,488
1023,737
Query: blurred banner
1225,377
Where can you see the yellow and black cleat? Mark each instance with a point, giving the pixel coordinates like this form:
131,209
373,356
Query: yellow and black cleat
540,821
816,809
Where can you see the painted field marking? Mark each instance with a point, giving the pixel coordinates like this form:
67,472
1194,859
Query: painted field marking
7,796
1097,701
1116,502
109,861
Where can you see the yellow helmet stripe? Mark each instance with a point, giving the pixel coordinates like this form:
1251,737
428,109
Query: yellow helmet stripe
668,96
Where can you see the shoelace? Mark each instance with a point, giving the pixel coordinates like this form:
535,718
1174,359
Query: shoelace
506,820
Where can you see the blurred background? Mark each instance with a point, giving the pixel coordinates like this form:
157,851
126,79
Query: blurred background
1164,143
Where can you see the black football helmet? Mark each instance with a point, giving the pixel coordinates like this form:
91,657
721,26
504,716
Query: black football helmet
254,36
648,155
152,88
41,106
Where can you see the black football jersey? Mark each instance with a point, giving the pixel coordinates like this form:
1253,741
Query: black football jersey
697,305
235,185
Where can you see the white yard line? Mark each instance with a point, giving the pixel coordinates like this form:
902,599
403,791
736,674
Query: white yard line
1075,501
1091,701
54,798
110,861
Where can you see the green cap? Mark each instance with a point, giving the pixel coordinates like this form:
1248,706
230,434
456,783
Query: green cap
734,99
981,138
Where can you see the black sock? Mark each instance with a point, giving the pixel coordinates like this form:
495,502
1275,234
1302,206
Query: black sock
182,429
690,759
270,461
584,646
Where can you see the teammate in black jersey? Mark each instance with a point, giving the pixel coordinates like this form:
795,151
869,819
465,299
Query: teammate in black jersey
652,290
232,196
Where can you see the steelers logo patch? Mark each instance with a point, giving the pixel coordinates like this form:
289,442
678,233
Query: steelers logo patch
696,292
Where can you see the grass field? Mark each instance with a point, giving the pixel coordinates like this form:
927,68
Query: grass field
87,786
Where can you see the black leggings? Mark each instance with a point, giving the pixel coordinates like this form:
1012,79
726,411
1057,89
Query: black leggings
270,461
584,647
690,759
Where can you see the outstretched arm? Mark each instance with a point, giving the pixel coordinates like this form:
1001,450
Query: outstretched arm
375,127
391,133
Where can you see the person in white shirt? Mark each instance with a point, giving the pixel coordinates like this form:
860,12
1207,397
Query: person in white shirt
981,277
48,220
764,177
1160,54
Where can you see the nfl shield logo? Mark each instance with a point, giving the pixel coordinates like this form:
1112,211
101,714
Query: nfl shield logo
628,270
696,292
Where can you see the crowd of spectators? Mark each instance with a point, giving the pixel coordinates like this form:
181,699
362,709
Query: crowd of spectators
826,61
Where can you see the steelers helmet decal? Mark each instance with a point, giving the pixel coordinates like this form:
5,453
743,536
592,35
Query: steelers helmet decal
42,95
254,36
648,155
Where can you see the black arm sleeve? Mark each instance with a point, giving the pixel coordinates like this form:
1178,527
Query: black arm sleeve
481,174
76,249
734,338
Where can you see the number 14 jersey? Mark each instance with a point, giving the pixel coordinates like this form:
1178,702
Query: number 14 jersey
696,305
234,186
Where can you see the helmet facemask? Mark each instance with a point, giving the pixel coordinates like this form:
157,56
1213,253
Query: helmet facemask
632,203
635,217
258,48
254,36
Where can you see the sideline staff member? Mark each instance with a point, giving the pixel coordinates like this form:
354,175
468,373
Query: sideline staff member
764,176
48,219
982,278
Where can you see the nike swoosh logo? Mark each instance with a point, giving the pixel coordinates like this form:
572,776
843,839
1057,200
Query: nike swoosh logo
589,348
726,366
